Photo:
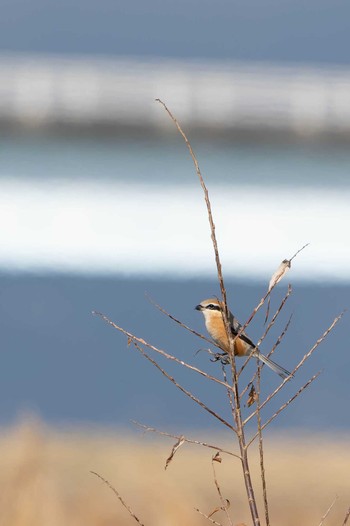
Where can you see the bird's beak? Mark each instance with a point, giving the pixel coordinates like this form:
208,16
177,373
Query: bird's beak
199,307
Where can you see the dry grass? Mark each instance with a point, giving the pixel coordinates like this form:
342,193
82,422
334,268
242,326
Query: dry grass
45,480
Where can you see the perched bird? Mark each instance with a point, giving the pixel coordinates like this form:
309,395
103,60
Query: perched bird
212,310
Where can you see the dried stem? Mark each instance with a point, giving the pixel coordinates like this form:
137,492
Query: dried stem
188,440
298,251
234,395
272,322
126,506
281,336
209,518
134,338
261,448
207,200
277,313
161,309
223,501
320,340
279,274
285,405
302,361
278,341
237,410
346,517
182,389
229,391
328,511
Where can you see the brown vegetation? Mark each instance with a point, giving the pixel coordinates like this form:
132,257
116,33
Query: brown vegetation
46,481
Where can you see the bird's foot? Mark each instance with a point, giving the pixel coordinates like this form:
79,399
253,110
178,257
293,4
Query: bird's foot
222,357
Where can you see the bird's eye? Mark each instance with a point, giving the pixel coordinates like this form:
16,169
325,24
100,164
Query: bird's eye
213,306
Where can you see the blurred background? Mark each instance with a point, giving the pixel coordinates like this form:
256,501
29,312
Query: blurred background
100,203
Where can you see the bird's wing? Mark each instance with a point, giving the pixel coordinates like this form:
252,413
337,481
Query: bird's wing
235,327
243,337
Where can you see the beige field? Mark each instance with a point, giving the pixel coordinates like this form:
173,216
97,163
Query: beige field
46,481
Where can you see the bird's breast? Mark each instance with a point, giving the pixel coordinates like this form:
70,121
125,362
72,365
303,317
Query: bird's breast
216,329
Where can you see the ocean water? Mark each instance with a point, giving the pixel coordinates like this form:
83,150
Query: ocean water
92,224
66,365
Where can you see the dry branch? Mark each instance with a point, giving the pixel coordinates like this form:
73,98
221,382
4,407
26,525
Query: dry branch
286,404
346,517
261,448
279,274
225,503
278,341
175,447
297,367
234,395
229,391
182,389
209,518
236,410
270,325
162,310
207,200
133,338
328,511
188,440
126,506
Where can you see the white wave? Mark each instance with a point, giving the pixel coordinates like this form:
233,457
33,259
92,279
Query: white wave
102,228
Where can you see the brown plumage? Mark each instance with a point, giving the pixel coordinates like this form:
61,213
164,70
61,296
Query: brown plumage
212,311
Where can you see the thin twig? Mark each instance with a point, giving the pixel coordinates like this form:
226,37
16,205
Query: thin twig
134,338
278,341
180,442
188,440
209,518
119,497
206,196
298,251
320,340
297,367
261,448
224,503
277,313
328,511
161,309
237,410
264,298
278,275
272,322
281,336
185,391
346,517
229,391
285,405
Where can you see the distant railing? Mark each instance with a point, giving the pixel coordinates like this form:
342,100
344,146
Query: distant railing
49,90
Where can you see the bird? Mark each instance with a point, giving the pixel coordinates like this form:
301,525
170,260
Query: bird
212,309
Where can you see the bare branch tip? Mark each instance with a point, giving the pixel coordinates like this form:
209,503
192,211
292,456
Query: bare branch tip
112,488
298,252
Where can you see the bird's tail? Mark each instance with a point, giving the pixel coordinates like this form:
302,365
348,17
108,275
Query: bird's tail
273,365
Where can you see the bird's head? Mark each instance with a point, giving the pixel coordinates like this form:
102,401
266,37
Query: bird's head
210,308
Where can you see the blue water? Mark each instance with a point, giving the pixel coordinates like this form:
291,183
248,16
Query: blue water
67,365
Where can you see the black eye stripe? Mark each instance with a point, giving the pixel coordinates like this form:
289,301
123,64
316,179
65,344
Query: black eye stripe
211,306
